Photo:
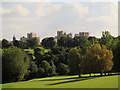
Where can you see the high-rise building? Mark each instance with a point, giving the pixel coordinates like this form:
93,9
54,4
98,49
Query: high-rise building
61,33
31,35
84,34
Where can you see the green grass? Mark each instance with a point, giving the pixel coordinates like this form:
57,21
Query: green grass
32,50
67,82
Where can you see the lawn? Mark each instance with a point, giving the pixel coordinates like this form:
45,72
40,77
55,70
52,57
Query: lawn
67,82
32,50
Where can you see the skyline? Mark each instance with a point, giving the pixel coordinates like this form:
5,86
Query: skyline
45,19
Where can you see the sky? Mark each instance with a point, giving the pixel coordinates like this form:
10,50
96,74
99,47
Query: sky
45,18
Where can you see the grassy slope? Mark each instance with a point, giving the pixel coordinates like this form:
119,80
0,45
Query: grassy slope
32,50
67,82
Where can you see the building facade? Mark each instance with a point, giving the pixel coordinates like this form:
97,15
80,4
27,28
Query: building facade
84,34
61,33
33,35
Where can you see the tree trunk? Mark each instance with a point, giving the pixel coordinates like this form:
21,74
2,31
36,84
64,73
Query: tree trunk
79,75
105,74
101,74
90,74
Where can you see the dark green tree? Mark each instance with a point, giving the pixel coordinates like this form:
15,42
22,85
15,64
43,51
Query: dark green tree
75,61
48,42
108,40
32,43
62,69
39,55
5,43
15,63
82,42
65,42
46,66
16,43
33,70
116,59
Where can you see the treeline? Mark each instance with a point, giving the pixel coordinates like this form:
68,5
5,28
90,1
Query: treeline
68,56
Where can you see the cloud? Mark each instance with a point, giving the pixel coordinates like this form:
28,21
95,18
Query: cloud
81,10
108,15
18,10
44,9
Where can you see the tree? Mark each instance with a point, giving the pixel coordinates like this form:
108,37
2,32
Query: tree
98,59
41,72
69,35
117,58
5,43
15,63
82,42
48,42
32,43
39,55
93,39
63,69
46,66
65,42
75,60
16,43
53,68
33,70
108,40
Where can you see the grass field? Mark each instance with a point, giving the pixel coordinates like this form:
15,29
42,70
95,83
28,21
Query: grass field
67,82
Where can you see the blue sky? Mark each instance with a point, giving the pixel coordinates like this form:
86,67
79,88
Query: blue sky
45,18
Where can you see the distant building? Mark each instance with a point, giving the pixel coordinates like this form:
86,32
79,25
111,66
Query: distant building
33,35
14,38
61,33
84,34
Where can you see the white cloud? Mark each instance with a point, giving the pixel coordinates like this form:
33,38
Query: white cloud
44,9
21,10
109,15
18,10
81,10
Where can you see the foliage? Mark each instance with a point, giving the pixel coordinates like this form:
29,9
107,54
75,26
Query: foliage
46,66
16,43
48,42
108,40
33,70
117,58
5,43
98,59
82,42
63,69
39,53
32,43
15,63
75,59
65,42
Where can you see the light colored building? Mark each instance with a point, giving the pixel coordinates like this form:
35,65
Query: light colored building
31,35
84,34
61,33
